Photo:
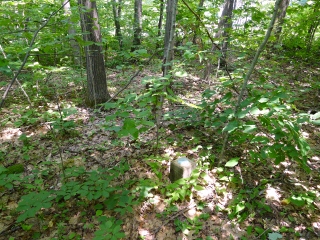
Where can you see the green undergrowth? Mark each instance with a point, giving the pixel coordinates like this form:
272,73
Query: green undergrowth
266,131
265,134
97,195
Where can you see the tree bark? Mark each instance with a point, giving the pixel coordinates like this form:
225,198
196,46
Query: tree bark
224,26
169,35
116,8
96,75
281,15
137,25
160,21
72,32
171,11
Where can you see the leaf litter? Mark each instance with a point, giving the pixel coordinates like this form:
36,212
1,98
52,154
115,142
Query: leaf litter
92,147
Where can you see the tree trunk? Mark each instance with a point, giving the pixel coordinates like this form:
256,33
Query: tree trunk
224,26
96,75
311,32
315,21
116,8
160,22
137,25
72,32
168,54
281,15
169,35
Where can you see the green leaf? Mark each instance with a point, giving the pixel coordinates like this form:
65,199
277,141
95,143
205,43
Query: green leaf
233,162
240,206
274,236
246,102
111,117
2,169
224,178
280,157
116,229
315,122
123,114
147,123
88,43
69,111
263,100
142,114
141,52
105,194
249,128
261,139
243,113
198,188
315,116
259,230
99,212
255,111
114,128
231,126
129,128
298,201
226,97
109,105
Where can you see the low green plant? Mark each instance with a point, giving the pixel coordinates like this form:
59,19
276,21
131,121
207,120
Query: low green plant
303,199
63,127
247,203
194,225
15,169
182,189
262,233
110,229
33,202
9,181
188,225
80,188
135,120
27,146
265,120
27,117
138,111
2,155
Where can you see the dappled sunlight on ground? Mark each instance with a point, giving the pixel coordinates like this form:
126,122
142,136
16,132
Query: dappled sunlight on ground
93,147
273,194
10,133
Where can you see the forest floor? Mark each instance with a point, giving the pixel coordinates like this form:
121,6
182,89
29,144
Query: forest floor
205,214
